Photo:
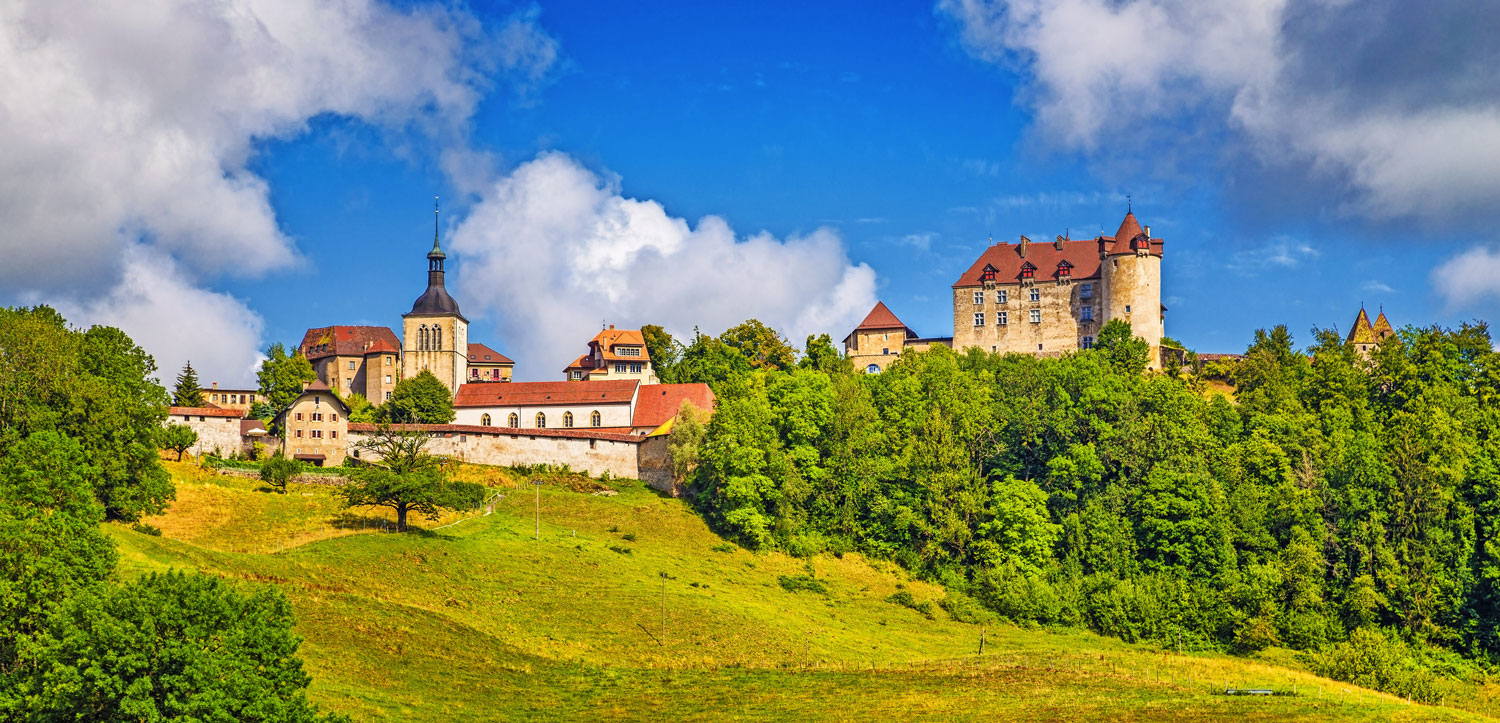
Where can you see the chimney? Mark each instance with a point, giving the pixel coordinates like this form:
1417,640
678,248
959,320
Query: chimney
216,385
1024,242
611,326
1148,232
1059,243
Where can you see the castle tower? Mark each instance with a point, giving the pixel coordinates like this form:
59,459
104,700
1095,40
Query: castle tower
1131,271
435,336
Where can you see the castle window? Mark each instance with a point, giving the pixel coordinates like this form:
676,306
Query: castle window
437,338
1088,342
872,369
1064,269
515,420
1036,294
568,420
299,434
979,319
1086,291
1002,318
1027,270
351,366
422,338
541,420
988,274
1127,308
388,395
1002,296
1086,313
1036,316
595,419
978,298
484,421
387,379
885,352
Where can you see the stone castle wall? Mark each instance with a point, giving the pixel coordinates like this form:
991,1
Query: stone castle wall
1060,329
594,453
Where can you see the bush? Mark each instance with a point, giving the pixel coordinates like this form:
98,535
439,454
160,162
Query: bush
278,471
905,599
965,609
1374,659
797,583
146,529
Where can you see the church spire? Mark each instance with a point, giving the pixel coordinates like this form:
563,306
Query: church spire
437,249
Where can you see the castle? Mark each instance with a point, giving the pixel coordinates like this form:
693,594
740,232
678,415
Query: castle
1038,298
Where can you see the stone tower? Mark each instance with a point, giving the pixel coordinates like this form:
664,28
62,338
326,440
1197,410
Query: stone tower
435,336
1131,275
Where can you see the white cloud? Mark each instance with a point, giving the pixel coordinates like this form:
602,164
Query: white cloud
1377,287
920,241
1277,252
1383,104
553,250
1469,278
128,127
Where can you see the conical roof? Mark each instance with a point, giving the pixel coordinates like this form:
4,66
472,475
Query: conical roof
1129,229
1362,332
1383,327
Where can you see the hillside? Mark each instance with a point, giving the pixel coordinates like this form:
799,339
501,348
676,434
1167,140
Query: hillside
480,621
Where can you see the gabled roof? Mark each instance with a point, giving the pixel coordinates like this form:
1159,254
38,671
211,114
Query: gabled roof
881,318
481,354
206,412
536,394
1082,254
382,346
253,428
610,338
656,404
345,340
1362,332
314,387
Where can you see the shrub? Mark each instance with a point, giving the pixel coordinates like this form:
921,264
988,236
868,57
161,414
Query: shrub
146,529
797,583
904,599
1373,659
965,609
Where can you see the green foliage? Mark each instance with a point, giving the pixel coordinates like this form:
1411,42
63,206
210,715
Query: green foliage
1126,352
360,409
187,392
686,438
262,411
904,599
404,478
278,471
1375,659
282,376
177,437
710,361
95,386
421,399
664,352
171,647
800,583
820,354
763,346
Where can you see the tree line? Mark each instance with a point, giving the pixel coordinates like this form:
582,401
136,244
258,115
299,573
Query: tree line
1338,505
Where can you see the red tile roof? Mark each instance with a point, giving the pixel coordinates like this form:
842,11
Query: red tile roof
362,428
522,394
1082,254
382,346
481,354
206,412
656,403
345,340
881,317
248,426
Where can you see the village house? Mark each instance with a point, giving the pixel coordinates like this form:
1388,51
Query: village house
613,354
315,426
241,399
354,359
488,365
618,405
218,429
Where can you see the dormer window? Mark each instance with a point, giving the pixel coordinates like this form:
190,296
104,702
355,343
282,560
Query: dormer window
988,274
1064,269
1028,271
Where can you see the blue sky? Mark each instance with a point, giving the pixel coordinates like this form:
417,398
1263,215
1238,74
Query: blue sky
840,152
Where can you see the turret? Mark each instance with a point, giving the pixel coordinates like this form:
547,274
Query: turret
1131,274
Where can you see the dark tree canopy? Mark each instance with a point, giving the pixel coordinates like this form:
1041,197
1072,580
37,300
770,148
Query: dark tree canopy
663,350
401,476
763,346
421,399
188,392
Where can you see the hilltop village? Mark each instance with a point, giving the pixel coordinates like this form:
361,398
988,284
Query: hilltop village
609,413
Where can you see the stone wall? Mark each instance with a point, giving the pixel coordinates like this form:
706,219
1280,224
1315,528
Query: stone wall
1061,327
216,434
878,348
655,462
591,452
1134,295
617,414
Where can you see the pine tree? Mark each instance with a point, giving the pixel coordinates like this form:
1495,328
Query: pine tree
187,393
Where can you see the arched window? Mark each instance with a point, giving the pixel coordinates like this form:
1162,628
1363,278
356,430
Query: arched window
422,338
484,421
437,338
541,420
872,369
515,420
568,420
594,418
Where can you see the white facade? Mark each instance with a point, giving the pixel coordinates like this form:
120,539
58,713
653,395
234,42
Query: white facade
611,414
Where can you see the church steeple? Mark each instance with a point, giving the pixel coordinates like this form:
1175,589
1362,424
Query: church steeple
435,301
435,256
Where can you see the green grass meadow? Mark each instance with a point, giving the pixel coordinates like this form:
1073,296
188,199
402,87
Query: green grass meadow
629,607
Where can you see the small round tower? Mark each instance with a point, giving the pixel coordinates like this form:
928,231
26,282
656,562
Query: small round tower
1131,274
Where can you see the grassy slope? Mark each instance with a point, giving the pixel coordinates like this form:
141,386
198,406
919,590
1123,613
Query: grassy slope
478,621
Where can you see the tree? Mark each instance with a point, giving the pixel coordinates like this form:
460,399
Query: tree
663,350
404,478
178,437
422,399
282,376
762,345
360,408
187,392
278,471
688,430
262,411
172,646
710,361
819,353
1126,352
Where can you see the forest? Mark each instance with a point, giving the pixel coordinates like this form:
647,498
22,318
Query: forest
1338,505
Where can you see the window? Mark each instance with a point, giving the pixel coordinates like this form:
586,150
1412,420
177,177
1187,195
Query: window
299,434
334,418
1088,342
1002,296
515,420
316,434
317,416
635,367
978,298
388,396
1036,294
595,419
988,274
568,420
1086,291
334,434
1064,269
387,379
1086,313
1127,308
1028,271
437,338
351,366
541,420
1036,316
620,367
979,319
299,416
885,337
388,361
422,338
577,376
1003,318
630,351
872,369
484,421
885,352
473,373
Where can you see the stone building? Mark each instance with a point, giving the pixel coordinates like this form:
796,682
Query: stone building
488,365
1051,298
218,429
879,339
435,334
614,354
615,405
354,359
315,426
240,399
1366,336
